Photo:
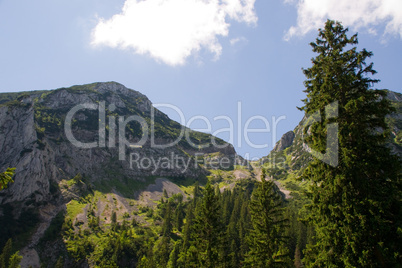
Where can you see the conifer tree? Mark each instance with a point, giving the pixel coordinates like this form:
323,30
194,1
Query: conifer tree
7,259
196,192
15,260
167,222
113,220
186,256
266,239
243,227
355,200
114,217
6,253
179,216
187,228
163,250
165,194
208,229
164,247
174,255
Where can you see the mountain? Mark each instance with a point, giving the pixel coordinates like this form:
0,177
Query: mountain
99,139
98,166
33,139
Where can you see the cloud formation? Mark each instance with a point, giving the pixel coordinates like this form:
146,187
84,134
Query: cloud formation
237,40
353,13
172,30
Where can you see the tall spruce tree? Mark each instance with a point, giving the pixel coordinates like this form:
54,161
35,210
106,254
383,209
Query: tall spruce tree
356,200
208,229
164,247
267,242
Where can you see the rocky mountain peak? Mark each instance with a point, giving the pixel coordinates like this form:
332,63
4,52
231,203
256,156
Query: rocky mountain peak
285,141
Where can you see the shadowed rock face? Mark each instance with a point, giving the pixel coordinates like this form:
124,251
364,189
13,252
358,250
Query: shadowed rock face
285,141
33,139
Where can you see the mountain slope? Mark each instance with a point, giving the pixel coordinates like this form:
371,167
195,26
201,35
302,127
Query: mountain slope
54,174
32,139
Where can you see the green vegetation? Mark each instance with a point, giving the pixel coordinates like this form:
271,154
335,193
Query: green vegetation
6,177
48,120
267,238
8,260
187,184
356,203
74,207
122,184
212,229
7,97
14,99
208,223
88,88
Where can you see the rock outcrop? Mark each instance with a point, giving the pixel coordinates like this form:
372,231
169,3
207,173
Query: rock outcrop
33,138
285,141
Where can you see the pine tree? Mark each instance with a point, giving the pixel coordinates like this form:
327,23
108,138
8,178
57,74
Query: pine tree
163,249
6,253
208,229
243,227
15,260
233,255
114,217
266,239
174,255
165,194
196,192
355,192
179,216
113,220
184,254
8,260
188,227
167,222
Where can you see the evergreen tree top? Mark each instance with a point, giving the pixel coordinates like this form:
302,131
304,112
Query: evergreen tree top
338,71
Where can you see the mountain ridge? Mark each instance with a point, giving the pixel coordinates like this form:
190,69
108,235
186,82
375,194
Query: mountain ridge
32,124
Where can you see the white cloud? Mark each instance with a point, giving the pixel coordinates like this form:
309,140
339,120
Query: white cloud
236,40
172,30
353,13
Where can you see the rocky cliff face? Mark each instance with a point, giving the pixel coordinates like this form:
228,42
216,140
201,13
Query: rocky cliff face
395,122
285,141
33,139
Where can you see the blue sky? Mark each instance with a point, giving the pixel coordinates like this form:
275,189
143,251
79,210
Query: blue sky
204,57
